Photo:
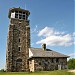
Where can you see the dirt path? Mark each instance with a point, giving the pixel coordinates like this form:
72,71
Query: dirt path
71,71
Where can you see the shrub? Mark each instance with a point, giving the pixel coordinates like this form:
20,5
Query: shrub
71,63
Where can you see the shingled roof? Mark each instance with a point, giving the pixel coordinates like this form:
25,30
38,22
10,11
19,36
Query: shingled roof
39,52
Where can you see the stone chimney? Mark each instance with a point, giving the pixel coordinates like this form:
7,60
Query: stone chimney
44,47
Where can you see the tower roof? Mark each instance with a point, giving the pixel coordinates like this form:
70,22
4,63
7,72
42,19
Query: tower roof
18,9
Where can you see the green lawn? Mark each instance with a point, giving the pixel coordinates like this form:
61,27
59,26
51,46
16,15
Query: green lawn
38,73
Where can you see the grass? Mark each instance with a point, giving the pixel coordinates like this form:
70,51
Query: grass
38,73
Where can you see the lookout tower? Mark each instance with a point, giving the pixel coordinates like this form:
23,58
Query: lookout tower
18,40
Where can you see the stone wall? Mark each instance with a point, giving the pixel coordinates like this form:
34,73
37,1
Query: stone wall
47,64
18,44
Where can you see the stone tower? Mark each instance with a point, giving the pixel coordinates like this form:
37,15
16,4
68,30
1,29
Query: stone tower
18,41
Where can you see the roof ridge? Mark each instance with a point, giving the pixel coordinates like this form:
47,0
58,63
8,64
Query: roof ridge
41,48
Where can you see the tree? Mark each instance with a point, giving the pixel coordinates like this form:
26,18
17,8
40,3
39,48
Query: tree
2,70
71,63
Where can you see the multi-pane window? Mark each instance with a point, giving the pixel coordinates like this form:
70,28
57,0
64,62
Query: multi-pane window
16,14
23,12
20,15
23,16
20,12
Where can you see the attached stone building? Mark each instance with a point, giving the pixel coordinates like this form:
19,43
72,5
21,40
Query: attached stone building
42,59
19,54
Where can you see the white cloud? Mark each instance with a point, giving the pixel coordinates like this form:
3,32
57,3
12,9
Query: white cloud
55,38
47,31
72,54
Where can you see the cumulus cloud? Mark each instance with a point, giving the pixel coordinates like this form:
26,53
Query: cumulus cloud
47,31
55,38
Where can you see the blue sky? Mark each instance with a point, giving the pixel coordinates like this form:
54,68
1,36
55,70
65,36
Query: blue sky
51,22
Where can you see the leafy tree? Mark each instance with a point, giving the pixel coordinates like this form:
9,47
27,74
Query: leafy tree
2,70
71,63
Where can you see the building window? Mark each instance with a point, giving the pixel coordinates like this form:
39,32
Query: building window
20,16
23,12
39,63
19,48
16,12
57,60
24,16
19,39
20,12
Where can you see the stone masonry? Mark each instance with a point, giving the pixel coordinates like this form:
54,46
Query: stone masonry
47,64
18,42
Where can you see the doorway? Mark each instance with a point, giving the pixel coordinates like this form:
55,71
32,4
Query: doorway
19,65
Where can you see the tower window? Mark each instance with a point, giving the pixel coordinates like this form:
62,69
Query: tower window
23,12
16,15
16,11
20,12
19,48
20,16
23,16
19,39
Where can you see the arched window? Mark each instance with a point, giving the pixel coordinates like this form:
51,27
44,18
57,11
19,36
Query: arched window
19,48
